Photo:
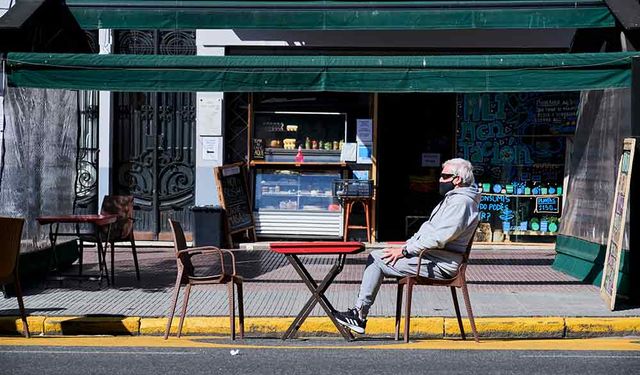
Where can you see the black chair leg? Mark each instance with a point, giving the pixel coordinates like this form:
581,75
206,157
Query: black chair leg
135,259
172,307
457,307
80,257
467,303
398,310
240,308
185,302
23,315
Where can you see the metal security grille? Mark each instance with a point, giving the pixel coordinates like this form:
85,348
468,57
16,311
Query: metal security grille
86,192
154,140
236,127
86,199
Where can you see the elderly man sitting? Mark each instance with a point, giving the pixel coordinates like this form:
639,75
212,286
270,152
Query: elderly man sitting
448,231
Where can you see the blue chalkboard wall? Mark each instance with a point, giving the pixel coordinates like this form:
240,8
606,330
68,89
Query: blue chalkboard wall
515,140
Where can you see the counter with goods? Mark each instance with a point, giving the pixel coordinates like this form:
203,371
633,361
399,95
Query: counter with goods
295,161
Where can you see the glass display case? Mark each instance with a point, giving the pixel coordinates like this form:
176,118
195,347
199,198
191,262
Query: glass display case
297,203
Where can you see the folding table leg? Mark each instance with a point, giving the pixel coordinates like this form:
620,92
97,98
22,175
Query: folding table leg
317,296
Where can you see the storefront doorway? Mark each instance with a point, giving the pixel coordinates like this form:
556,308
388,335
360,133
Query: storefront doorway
154,140
416,133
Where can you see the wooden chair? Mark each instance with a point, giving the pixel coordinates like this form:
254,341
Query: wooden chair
186,276
121,230
10,235
458,281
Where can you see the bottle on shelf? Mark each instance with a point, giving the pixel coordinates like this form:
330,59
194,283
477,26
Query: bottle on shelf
299,157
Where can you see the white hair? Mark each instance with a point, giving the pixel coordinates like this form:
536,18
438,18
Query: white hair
462,168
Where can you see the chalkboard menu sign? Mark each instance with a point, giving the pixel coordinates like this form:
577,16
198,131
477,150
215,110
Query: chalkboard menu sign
609,285
547,205
233,194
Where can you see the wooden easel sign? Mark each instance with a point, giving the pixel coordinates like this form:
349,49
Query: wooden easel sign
233,194
609,285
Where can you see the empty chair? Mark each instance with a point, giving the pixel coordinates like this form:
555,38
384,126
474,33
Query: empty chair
120,231
10,235
458,281
186,276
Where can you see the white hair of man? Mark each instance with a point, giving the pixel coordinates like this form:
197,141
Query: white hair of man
462,168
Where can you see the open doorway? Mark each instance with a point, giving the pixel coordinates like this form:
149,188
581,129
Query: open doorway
416,133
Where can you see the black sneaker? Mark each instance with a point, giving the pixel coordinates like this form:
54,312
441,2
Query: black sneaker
351,319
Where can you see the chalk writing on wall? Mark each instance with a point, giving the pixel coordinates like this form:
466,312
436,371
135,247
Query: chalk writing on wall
515,139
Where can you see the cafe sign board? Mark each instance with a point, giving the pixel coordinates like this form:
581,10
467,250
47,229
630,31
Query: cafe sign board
610,272
233,194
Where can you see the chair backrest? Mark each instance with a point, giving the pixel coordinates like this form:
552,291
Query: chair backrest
121,205
180,243
10,235
467,252
179,240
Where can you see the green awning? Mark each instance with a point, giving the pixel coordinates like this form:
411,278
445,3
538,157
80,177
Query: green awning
473,73
341,14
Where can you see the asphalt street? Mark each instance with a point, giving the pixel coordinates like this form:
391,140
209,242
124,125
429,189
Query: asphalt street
318,357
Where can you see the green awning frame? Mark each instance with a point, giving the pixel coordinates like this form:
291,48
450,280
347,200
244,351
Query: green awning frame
473,73
341,14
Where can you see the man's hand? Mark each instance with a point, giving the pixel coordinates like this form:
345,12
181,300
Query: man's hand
391,255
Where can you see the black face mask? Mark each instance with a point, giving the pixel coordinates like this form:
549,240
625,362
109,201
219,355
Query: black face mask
446,187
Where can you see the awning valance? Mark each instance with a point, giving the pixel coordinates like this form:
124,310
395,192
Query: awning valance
473,73
341,14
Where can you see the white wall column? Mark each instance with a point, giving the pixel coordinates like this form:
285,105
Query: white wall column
104,125
209,134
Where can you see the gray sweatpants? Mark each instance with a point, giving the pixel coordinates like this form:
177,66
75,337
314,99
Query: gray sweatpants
377,269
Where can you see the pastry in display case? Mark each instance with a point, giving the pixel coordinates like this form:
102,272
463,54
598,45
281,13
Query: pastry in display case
319,134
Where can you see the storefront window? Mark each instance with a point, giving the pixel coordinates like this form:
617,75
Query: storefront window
517,144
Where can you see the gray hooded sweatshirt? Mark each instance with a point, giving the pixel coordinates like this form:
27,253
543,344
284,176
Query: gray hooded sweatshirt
450,227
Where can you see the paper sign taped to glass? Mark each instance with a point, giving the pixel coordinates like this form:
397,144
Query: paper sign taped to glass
349,152
364,154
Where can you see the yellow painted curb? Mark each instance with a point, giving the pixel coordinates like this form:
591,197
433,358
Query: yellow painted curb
591,327
91,325
192,326
419,327
507,327
276,326
12,325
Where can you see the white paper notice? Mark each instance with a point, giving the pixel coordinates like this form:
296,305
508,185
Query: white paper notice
209,107
210,148
364,131
349,152
430,159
